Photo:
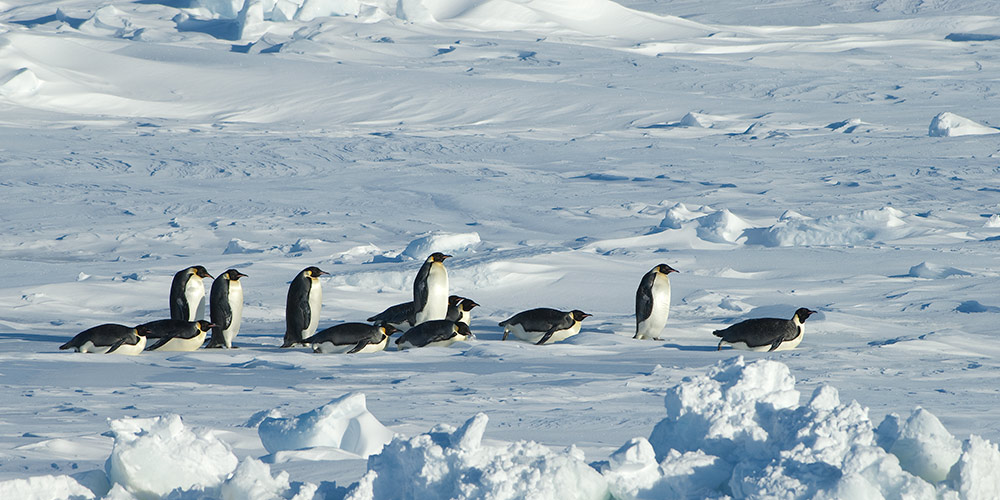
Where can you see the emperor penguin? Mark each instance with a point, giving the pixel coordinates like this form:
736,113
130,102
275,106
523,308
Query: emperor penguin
766,334
436,332
460,309
430,290
226,308
652,302
108,338
351,338
544,324
178,335
305,297
187,294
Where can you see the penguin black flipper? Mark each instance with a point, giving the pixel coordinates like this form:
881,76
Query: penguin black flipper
116,345
420,291
159,343
220,312
361,345
295,322
777,342
178,305
548,335
644,296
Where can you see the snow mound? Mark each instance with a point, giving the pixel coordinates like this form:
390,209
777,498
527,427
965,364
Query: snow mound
993,221
455,463
44,488
721,227
344,423
739,431
934,271
154,456
252,480
884,224
678,215
420,248
20,83
951,125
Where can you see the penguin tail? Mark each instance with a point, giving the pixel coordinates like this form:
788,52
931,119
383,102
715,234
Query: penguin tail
718,333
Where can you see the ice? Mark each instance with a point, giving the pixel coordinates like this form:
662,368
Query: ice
456,463
44,488
252,480
949,124
925,448
155,456
934,271
421,247
345,423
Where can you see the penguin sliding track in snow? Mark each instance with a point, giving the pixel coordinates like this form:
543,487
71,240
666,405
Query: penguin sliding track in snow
430,290
226,308
351,338
305,297
187,294
436,332
652,302
544,324
177,335
766,334
108,338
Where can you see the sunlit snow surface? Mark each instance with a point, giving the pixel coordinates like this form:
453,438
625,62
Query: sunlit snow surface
836,155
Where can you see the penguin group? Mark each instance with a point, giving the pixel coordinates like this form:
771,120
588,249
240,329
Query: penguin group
433,318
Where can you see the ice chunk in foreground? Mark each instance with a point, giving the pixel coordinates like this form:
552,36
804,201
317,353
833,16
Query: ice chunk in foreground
252,480
344,423
925,448
44,488
455,463
154,456
633,473
951,125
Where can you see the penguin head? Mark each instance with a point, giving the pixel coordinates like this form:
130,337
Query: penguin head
579,315
665,269
468,304
462,329
387,329
233,275
313,272
141,330
437,257
802,314
454,300
203,326
200,271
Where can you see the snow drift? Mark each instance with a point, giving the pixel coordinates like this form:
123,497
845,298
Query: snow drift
345,423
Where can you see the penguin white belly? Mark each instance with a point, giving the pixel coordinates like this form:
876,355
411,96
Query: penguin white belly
533,336
437,296
331,348
788,345
132,350
89,347
236,306
743,346
194,292
439,343
315,302
651,327
179,344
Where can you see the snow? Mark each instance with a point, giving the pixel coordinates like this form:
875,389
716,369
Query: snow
779,154
344,423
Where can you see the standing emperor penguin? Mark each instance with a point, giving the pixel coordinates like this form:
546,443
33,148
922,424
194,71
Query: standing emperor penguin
305,296
226,308
187,294
430,290
652,302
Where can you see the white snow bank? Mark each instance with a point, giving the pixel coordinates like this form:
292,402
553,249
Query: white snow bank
252,480
951,125
934,271
739,431
44,488
884,224
153,456
344,423
721,227
20,83
455,463
421,247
